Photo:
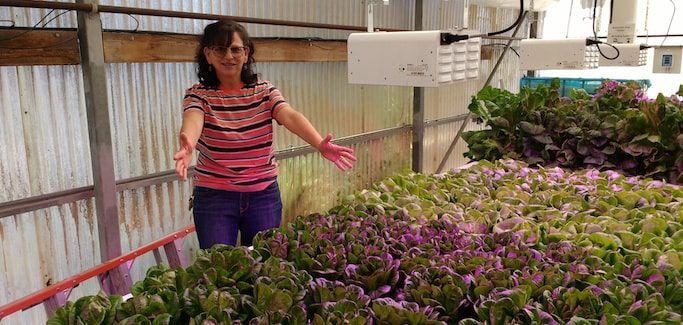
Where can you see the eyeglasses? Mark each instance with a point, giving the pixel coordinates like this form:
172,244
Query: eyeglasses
223,50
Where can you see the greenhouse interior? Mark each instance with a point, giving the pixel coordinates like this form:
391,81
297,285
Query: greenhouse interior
341,162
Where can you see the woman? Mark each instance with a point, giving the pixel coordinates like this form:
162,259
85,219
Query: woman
228,117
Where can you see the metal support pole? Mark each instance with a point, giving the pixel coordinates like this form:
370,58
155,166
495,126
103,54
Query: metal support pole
418,106
418,128
371,17
174,254
533,33
157,256
101,152
58,300
488,81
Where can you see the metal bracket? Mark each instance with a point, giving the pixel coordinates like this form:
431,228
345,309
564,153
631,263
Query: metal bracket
371,14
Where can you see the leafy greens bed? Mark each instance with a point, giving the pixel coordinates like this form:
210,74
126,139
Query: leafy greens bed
617,128
496,243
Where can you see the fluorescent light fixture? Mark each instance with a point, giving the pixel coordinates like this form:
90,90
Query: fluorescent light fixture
550,54
630,55
414,58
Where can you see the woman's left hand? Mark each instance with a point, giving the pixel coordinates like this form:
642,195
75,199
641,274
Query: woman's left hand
340,156
183,157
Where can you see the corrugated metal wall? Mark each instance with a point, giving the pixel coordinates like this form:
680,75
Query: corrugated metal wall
45,142
45,149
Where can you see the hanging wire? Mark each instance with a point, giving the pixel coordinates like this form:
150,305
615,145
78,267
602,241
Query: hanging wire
569,20
29,30
11,22
670,21
36,27
517,22
55,17
137,23
595,34
503,45
312,42
448,38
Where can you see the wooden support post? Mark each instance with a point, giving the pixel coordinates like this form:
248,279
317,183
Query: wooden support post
101,152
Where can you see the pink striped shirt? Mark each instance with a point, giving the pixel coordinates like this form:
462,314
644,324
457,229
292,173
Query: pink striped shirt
236,151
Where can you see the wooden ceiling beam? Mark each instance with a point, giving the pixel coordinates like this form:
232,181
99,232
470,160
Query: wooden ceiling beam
60,46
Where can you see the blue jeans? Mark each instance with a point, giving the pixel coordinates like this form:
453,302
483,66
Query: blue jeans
219,214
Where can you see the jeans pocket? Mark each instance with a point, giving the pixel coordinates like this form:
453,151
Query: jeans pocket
272,188
200,191
204,198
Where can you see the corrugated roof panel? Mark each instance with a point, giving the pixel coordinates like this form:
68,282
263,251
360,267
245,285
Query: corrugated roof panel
47,246
437,141
49,131
321,92
449,100
398,15
150,213
312,184
39,18
440,14
353,13
13,170
146,108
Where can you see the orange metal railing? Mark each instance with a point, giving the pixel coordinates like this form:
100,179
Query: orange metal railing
56,294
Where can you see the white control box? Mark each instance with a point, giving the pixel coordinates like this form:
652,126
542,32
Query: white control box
621,34
622,25
630,55
667,59
415,58
557,54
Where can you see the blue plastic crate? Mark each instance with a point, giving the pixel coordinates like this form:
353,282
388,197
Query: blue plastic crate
567,84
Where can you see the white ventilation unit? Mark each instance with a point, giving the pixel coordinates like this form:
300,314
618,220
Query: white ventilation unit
415,58
558,54
630,55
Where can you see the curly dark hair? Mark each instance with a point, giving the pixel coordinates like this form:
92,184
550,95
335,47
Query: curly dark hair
220,33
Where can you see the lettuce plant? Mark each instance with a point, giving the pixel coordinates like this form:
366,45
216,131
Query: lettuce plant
97,309
496,243
617,128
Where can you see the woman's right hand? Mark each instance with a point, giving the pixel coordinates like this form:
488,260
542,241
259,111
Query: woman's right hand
183,157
